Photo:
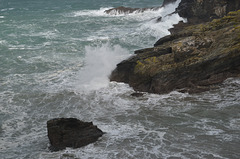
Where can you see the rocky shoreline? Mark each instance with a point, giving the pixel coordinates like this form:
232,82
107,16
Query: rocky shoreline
196,57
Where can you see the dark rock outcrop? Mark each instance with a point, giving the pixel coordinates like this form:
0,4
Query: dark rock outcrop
128,10
123,10
194,59
137,94
198,11
71,132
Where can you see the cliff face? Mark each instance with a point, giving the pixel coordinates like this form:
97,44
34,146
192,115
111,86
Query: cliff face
198,11
194,59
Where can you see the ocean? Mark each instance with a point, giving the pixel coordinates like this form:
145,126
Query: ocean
55,59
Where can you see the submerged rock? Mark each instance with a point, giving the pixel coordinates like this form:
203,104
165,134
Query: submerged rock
71,132
192,60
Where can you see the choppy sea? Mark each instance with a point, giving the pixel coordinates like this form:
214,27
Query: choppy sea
55,59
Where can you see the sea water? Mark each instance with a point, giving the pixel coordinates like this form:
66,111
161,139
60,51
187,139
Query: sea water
55,59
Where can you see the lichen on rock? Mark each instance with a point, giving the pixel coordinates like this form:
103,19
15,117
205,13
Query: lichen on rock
192,60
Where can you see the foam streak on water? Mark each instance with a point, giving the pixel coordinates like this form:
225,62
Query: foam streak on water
55,59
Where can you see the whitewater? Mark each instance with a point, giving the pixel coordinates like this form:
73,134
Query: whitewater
55,59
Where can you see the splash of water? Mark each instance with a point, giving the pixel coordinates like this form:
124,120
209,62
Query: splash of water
99,62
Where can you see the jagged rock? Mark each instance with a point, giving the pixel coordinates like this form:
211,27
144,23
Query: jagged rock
71,132
159,19
128,10
192,60
121,10
198,11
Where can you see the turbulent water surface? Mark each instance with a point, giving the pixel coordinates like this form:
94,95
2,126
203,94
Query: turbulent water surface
55,58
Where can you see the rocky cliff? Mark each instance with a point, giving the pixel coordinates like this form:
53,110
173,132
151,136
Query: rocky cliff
194,59
198,11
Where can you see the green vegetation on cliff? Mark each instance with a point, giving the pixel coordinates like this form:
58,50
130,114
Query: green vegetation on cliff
193,60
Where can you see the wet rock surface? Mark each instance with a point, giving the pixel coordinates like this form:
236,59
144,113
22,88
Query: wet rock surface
198,11
193,59
71,132
128,10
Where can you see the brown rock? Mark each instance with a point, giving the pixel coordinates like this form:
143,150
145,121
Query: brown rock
71,132
200,11
192,60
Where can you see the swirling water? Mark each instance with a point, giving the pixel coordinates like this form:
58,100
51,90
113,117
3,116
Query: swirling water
55,58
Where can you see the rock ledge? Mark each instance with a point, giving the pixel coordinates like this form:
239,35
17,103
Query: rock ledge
194,59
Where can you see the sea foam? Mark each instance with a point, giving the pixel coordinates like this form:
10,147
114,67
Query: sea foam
99,62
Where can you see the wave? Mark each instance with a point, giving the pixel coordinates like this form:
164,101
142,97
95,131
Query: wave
131,28
122,11
168,9
6,9
99,62
98,12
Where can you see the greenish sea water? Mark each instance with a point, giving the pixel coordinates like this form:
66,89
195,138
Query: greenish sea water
55,59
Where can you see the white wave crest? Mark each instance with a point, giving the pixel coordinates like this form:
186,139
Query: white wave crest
99,12
99,62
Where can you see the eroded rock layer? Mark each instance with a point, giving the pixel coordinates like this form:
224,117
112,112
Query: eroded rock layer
194,59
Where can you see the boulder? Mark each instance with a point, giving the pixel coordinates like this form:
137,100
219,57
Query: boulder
192,60
71,132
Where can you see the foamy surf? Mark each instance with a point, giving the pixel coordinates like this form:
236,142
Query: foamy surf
97,12
99,62
143,25
55,62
